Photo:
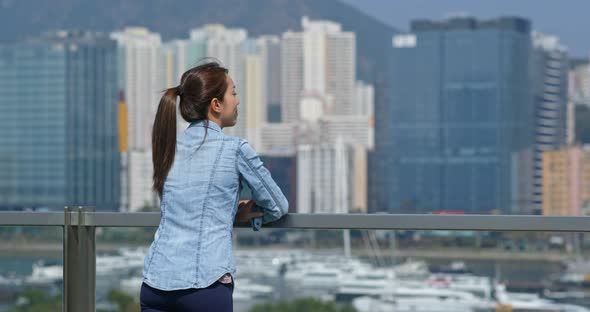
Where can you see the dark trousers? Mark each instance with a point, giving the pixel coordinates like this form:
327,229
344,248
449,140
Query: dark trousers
217,297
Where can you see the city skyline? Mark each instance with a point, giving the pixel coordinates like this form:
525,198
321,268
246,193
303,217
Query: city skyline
323,105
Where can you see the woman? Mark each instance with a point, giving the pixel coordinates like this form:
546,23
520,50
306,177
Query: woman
190,266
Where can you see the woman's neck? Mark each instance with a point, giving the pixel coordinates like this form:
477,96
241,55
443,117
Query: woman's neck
215,120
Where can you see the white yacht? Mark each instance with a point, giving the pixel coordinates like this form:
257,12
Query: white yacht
10,281
245,290
405,299
112,265
44,274
532,302
131,285
363,282
412,269
315,275
480,286
124,262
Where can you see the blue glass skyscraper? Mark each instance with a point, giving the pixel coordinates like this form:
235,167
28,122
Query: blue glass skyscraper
461,135
58,120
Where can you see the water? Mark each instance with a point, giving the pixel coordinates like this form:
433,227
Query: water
22,265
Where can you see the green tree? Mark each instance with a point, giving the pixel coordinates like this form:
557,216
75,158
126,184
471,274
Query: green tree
124,302
36,300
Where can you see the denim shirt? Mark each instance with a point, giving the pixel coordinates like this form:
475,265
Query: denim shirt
192,246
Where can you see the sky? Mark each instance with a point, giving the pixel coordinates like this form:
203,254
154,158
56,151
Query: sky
568,19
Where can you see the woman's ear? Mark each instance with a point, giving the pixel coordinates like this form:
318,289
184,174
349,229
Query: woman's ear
216,105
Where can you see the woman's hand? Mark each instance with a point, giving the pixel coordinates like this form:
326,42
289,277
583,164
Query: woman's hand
245,212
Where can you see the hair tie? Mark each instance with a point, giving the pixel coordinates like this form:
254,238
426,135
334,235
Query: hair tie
179,90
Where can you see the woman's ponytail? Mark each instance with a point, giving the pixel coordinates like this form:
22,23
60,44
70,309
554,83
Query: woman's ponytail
164,138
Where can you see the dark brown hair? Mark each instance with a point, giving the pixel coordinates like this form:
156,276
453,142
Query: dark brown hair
198,87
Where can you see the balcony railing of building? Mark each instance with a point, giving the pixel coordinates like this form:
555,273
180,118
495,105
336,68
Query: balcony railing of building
79,242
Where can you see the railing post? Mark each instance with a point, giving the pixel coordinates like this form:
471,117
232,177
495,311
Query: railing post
79,254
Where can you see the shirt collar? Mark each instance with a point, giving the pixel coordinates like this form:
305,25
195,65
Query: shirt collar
206,123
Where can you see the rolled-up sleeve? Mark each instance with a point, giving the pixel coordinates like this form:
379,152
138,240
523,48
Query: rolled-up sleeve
265,192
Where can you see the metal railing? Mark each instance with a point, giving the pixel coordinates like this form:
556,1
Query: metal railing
79,225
